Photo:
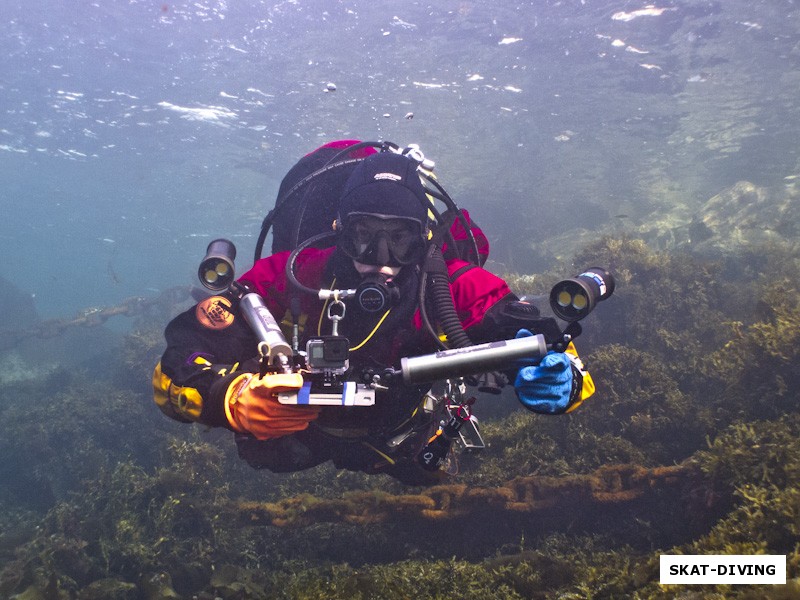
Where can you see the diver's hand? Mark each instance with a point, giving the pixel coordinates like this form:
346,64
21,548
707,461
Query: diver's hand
548,387
526,362
251,405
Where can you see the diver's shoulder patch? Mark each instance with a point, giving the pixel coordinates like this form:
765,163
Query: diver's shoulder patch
214,312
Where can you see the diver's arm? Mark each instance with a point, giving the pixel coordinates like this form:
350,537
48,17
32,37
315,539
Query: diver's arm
205,345
557,384
489,310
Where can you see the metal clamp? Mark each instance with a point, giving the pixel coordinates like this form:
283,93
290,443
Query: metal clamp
335,318
413,152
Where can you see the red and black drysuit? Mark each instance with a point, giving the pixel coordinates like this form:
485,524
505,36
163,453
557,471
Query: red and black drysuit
206,349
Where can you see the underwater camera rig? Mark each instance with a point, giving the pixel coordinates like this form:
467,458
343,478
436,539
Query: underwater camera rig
570,299
329,380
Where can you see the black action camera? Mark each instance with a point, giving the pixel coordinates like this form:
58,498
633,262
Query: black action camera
327,353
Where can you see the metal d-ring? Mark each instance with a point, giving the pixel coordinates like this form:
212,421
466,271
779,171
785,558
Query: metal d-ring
335,318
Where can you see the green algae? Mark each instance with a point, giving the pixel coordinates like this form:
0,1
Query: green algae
687,372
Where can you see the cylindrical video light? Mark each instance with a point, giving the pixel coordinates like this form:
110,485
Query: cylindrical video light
264,325
216,271
472,360
573,299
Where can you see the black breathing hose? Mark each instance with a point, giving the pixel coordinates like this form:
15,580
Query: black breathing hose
434,269
290,274
436,277
441,194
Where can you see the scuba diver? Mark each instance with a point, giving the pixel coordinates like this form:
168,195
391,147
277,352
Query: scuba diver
383,238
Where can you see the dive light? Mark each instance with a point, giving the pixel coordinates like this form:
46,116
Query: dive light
273,344
472,360
573,299
216,271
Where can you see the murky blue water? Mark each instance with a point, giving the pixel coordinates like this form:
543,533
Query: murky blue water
133,132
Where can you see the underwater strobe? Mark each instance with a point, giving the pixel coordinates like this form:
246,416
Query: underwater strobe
216,271
573,299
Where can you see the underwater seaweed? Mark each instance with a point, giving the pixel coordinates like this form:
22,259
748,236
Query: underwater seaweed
756,370
686,372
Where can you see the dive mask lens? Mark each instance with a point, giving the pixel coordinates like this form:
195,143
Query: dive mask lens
380,241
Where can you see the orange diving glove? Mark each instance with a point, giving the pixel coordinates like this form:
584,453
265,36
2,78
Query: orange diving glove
251,405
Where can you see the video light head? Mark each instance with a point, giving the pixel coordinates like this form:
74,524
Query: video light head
216,271
573,299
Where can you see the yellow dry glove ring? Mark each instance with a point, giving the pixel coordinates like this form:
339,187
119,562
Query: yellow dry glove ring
231,397
587,383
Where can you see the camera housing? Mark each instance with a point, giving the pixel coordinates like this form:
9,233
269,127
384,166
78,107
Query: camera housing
326,366
328,353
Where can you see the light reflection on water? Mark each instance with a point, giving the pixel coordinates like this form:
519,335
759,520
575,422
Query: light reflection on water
159,126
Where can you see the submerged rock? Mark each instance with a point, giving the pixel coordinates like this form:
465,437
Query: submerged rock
158,586
738,219
741,216
108,589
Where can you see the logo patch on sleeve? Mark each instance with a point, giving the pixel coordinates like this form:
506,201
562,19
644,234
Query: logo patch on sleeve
214,312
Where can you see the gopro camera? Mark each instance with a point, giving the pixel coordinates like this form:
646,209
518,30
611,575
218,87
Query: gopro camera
324,383
328,353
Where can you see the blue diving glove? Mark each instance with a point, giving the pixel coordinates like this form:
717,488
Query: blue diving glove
548,387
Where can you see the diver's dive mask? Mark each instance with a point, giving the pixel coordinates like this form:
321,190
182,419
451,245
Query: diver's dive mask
380,240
